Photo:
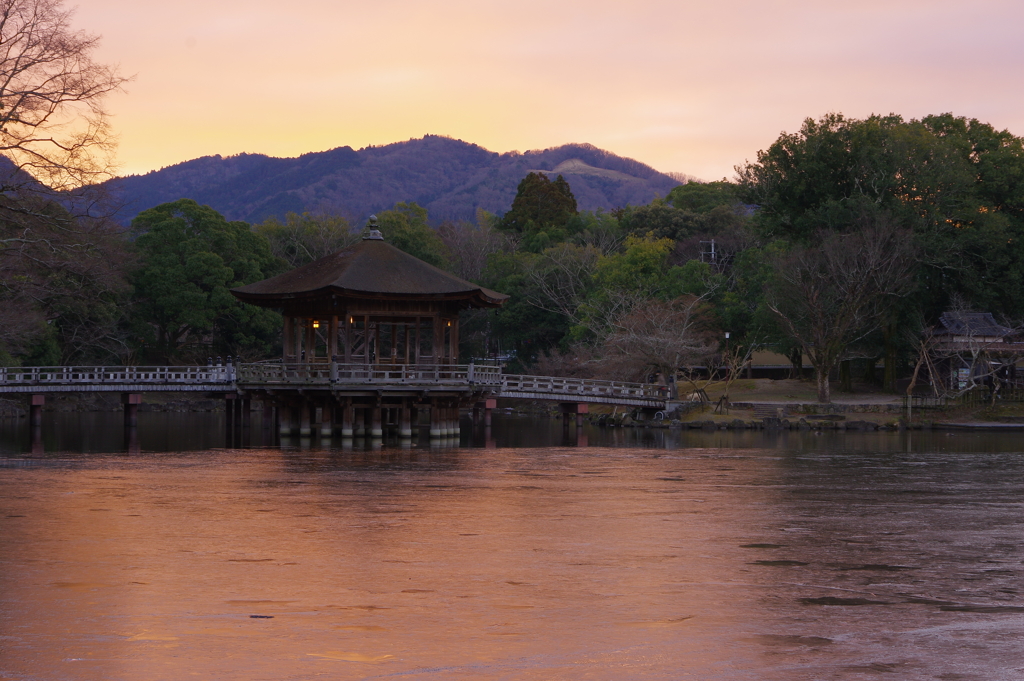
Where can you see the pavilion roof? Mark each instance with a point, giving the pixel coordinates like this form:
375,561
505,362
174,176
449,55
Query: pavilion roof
973,324
371,268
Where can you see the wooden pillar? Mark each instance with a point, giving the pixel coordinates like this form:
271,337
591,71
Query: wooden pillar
305,429
416,347
348,338
35,411
376,431
404,421
310,340
245,404
407,336
376,343
268,414
441,345
229,419
346,419
332,339
435,419
366,339
288,341
131,402
456,425
360,424
284,420
455,341
488,406
327,421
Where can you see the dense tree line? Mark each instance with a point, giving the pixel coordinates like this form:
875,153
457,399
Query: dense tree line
841,243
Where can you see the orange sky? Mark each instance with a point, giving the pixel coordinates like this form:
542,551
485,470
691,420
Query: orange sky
693,87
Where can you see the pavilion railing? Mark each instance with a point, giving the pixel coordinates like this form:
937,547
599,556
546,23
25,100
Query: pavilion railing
582,386
367,374
13,376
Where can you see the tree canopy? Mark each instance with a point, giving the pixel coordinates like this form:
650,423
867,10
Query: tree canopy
540,204
190,257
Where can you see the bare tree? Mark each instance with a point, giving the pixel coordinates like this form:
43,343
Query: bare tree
469,245
561,279
660,336
55,142
830,296
53,125
301,239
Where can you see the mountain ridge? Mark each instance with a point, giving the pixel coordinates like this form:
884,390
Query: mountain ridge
451,178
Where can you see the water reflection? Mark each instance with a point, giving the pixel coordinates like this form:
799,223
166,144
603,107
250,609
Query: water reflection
104,432
645,555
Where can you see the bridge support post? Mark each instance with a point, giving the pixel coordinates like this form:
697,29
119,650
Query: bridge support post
305,429
577,408
229,418
327,420
346,420
360,422
488,406
131,402
456,421
35,411
244,421
245,404
267,414
376,431
435,420
285,418
404,421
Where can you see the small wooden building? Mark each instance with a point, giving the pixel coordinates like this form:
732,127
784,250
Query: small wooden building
970,348
387,324
370,304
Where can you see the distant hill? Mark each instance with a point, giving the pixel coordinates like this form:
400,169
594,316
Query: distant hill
449,177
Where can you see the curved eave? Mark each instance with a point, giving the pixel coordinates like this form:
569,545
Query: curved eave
478,298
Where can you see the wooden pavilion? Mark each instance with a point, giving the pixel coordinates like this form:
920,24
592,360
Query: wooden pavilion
366,308
370,304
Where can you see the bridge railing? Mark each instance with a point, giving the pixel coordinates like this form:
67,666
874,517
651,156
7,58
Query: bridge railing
368,374
12,376
582,386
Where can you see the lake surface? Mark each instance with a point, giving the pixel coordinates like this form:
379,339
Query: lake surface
526,553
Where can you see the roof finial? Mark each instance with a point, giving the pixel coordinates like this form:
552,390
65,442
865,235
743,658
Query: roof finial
374,232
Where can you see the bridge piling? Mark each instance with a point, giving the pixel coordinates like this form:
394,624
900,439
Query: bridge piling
327,420
435,420
267,416
305,429
346,419
360,421
131,402
229,418
376,431
284,417
35,411
405,421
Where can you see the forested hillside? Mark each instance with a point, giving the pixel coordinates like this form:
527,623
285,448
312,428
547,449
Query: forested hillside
450,178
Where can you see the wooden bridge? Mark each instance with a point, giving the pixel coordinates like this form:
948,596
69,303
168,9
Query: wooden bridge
362,394
475,378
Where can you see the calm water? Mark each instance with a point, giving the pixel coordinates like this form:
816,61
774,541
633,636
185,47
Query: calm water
519,555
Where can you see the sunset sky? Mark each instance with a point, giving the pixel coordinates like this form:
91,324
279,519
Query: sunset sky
692,87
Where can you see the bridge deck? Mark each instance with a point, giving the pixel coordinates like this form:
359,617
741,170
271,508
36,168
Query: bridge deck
346,378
